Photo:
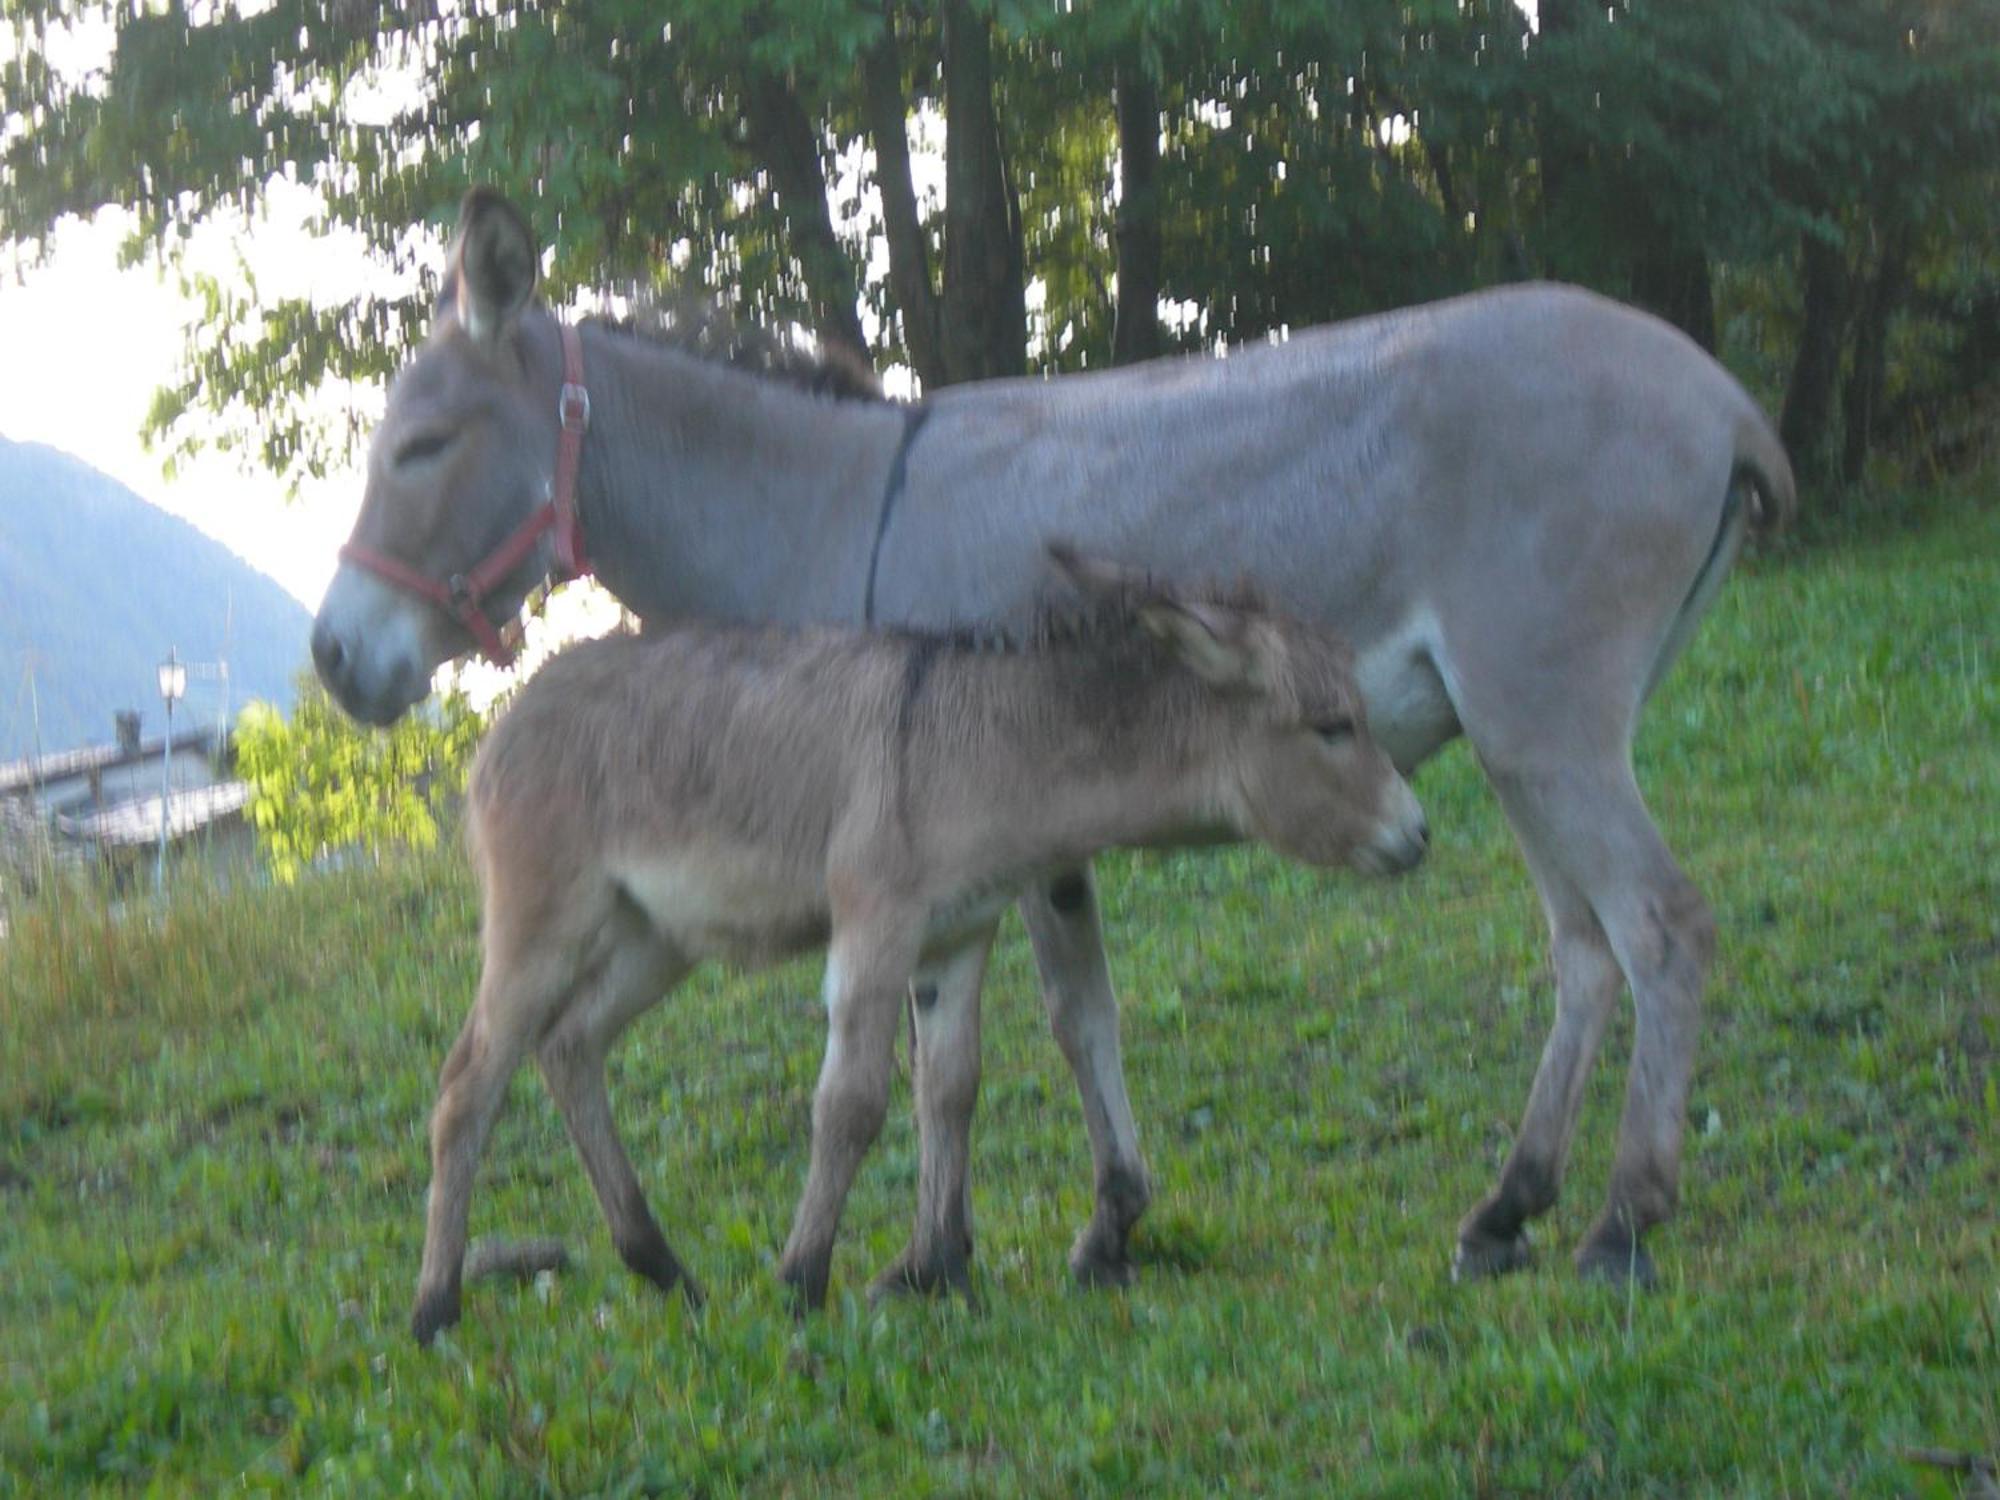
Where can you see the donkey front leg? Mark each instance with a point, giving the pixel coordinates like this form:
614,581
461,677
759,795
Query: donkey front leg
868,971
1062,922
635,977
945,997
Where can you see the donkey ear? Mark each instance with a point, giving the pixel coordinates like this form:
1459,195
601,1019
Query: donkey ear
1214,642
1092,576
493,263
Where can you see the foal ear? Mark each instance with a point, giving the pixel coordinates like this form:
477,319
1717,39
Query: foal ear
1216,643
493,263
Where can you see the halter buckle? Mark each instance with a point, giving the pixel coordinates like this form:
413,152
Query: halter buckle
573,407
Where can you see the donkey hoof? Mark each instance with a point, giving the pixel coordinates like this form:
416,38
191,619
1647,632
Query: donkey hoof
1618,1260
805,1288
1480,1257
909,1279
433,1311
1096,1271
908,1276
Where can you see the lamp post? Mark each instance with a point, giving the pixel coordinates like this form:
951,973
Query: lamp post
173,685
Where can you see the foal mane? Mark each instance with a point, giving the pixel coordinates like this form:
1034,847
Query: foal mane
705,328
1063,622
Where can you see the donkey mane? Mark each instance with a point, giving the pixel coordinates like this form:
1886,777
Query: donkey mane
703,327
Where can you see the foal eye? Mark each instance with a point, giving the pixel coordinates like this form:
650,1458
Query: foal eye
1333,731
426,445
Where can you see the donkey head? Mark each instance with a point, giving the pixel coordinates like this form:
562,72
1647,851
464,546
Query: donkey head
463,457
1284,723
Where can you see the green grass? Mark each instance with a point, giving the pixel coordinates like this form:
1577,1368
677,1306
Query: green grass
212,1161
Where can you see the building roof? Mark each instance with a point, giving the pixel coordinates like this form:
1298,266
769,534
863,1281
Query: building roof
138,821
65,765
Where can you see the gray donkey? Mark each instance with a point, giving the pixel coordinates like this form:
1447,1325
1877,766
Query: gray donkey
749,794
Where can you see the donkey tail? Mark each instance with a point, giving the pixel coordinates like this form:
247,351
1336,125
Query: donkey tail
1761,500
1764,469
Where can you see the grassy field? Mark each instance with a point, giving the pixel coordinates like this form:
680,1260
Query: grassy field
212,1161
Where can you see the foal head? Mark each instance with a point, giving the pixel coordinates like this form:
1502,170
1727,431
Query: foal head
1283,722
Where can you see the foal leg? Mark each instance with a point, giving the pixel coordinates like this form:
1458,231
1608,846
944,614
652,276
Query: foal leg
515,999
1590,823
1062,921
867,975
639,971
946,1065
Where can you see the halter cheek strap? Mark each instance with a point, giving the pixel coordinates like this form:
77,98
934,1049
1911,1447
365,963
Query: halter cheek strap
464,595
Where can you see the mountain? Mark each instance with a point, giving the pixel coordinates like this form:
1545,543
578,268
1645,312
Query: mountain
96,584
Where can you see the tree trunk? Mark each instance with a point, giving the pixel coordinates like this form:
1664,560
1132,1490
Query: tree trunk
1861,401
909,256
1563,160
1135,330
1673,281
985,314
1816,369
786,142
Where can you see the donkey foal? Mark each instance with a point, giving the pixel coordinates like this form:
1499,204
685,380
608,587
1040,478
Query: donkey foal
746,795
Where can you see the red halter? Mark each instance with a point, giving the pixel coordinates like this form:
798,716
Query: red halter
464,594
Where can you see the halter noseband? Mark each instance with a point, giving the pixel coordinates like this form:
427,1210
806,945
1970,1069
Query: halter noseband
464,595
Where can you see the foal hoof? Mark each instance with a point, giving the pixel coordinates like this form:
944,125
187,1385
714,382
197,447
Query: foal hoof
1479,1257
1617,1260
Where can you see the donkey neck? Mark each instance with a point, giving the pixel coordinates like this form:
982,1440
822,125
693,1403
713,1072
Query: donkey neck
714,492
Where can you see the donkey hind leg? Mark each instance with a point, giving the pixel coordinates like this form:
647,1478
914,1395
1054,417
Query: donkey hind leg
868,972
514,1002
1062,921
1591,825
633,978
946,1067
1493,1238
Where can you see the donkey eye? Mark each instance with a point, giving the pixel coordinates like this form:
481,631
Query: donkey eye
1333,731
425,445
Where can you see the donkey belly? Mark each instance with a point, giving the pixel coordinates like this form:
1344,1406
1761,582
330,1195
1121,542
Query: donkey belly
1410,712
727,904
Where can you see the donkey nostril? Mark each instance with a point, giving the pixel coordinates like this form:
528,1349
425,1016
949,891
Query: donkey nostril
1423,833
328,654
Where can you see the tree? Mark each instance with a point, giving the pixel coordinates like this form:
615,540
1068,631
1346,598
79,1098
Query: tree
321,783
1805,185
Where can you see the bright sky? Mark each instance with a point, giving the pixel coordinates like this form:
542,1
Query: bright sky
88,344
